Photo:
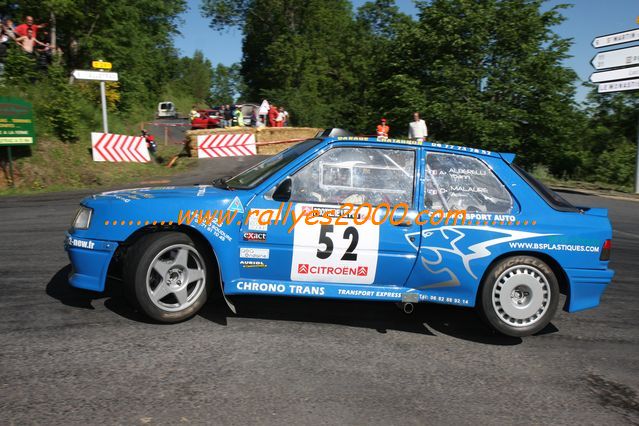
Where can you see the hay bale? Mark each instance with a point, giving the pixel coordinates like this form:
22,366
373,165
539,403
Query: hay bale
262,135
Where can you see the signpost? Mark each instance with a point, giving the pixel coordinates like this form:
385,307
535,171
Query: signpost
617,38
616,58
100,76
622,79
619,86
16,126
620,74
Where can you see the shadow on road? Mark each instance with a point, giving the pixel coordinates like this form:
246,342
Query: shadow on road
428,319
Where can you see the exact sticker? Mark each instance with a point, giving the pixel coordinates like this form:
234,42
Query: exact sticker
254,236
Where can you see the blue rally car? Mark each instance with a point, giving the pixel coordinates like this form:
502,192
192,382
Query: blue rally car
510,248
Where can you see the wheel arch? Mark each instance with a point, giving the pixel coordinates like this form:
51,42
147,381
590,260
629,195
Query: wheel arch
120,255
562,277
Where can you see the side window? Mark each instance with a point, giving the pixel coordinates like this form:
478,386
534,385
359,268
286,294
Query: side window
357,175
461,182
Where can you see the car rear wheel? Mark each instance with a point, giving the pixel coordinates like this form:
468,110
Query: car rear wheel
167,276
519,296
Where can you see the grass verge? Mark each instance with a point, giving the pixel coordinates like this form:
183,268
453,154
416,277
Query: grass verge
56,166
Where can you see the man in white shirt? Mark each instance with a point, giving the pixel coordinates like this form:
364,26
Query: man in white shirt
417,129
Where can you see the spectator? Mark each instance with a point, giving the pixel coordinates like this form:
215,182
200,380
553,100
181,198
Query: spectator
279,120
150,143
285,122
254,117
193,114
272,116
4,46
22,29
417,129
29,42
9,29
228,115
221,115
383,129
238,117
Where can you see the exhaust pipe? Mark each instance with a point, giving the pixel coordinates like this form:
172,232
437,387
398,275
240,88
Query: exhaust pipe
406,307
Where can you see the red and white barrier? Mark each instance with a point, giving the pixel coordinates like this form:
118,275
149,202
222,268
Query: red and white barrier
119,148
225,145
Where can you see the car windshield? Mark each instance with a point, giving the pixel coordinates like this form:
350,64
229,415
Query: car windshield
259,173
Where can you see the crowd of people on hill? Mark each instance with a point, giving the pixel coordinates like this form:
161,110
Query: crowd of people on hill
33,39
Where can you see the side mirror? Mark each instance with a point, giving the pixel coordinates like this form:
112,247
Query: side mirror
283,191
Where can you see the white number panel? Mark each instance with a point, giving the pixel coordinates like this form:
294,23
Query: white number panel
334,252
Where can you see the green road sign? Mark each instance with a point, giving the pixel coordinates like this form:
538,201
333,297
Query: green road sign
16,122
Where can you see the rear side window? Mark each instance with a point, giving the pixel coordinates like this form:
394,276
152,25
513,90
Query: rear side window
460,182
555,200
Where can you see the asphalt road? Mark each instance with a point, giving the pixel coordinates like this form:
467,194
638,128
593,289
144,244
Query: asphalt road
75,357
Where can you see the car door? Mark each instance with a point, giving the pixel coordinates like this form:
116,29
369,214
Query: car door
348,243
468,202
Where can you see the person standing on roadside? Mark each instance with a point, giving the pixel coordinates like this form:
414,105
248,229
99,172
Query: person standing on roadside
272,116
228,116
238,117
383,129
417,129
193,114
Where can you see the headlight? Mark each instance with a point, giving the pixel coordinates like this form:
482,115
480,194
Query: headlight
82,218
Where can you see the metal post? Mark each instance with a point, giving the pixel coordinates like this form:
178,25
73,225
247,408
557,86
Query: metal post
10,166
166,135
637,164
105,123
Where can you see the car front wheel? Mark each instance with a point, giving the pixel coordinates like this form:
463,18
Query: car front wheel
167,276
519,296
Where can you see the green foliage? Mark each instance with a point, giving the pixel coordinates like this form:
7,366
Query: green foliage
227,85
59,105
195,75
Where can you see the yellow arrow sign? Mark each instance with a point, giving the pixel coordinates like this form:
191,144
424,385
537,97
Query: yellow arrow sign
101,65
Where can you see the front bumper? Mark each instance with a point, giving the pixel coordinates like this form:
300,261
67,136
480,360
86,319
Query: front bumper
586,287
90,261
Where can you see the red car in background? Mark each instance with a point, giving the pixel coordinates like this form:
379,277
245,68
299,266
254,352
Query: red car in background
208,119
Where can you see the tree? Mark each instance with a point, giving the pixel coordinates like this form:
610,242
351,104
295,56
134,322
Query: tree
227,86
196,75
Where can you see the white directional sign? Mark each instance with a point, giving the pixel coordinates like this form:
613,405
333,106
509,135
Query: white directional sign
95,75
617,38
616,58
619,86
620,74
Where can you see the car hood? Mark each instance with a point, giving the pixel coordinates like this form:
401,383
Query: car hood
162,192
116,214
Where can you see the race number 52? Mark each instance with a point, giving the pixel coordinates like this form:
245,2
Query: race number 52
345,253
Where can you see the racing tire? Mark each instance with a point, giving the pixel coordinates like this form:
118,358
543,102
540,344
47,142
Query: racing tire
167,276
519,296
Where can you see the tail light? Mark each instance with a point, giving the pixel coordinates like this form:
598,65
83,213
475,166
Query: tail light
605,250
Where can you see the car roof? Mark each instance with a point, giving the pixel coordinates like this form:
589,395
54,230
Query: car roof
437,145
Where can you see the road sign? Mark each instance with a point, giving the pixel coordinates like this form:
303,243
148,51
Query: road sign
616,58
16,122
619,86
95,75
617,38
620,74
101,65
